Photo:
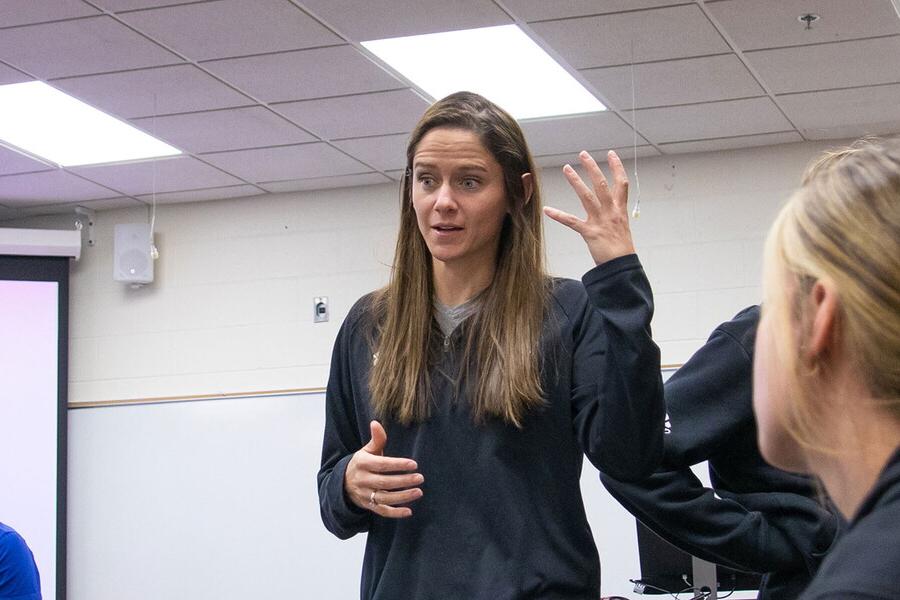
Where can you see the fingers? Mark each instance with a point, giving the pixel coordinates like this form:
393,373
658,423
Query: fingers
620,179
598,180
379,439
584,193
388,504
565,218
383,498
392,512
391,482
385,464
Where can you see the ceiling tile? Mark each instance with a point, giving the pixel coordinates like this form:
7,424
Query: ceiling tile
12,162
570,135
220,193
710,120
826,66
286,162
232,129
752,25
322,183
659,34
626,154
541,10
849,113
38,11
682,81
10,75
144,93
222,29
359,115
300,75
79,47
382,152
119,5
48,187
379,19
744,141
163,175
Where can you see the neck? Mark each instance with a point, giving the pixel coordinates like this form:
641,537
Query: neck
454,283
864,438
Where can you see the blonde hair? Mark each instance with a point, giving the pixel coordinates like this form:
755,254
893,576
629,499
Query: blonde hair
500,363
842,225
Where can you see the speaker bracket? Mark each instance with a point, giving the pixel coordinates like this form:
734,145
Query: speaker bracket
84,222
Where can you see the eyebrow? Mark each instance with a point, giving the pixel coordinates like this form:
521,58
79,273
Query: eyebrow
469,167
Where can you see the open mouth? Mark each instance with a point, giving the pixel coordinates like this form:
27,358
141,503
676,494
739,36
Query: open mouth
446,228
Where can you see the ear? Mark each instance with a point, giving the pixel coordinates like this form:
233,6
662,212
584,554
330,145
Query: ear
822,303
528,186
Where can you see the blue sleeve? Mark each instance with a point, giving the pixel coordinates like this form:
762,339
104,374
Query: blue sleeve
617,393
19,576
341,440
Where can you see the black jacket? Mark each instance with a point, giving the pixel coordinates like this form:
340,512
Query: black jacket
865,562
756,518
502,516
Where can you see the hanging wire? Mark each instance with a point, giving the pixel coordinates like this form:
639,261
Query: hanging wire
154,251
636,211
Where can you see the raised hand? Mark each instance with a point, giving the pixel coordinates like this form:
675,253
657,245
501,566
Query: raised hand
380,483
605,228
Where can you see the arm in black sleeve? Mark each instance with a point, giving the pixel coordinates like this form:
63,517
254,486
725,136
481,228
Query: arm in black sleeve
676,506
617,387
341,440
709,402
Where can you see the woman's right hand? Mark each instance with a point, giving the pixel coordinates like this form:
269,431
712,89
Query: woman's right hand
381,483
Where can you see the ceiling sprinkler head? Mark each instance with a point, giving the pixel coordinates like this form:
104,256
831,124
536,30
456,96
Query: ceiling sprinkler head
809,19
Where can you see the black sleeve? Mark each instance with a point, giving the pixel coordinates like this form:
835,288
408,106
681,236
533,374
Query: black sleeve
676,506
709,403
709,399
617,393
342,438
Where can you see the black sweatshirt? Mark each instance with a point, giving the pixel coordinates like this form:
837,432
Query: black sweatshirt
764,520
865,562
502,515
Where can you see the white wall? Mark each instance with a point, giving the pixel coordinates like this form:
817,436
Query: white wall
231,311
231,307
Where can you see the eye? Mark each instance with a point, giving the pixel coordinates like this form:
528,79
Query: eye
425,180
470,183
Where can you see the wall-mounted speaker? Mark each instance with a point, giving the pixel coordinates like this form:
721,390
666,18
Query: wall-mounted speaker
132,260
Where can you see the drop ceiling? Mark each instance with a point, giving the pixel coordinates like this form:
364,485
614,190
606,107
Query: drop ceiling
272,96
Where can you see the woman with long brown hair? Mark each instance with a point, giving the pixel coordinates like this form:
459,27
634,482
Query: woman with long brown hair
463,395
827,371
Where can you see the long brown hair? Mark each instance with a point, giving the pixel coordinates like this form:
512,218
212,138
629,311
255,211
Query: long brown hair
501,362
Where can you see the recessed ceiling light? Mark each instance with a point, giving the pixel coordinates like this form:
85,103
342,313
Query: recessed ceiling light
501,63
47,123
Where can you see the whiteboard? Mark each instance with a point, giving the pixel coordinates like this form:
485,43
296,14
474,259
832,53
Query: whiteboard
217,500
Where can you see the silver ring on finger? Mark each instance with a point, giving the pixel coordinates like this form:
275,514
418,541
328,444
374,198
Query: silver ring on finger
372,501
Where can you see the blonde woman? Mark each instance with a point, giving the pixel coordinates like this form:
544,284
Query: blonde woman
464,395
827,371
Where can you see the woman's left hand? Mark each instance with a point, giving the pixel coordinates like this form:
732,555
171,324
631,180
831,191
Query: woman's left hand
606,228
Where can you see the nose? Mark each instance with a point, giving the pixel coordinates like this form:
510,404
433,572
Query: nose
444,201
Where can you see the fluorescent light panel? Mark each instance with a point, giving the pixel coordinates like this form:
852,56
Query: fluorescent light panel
500,63
45,122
